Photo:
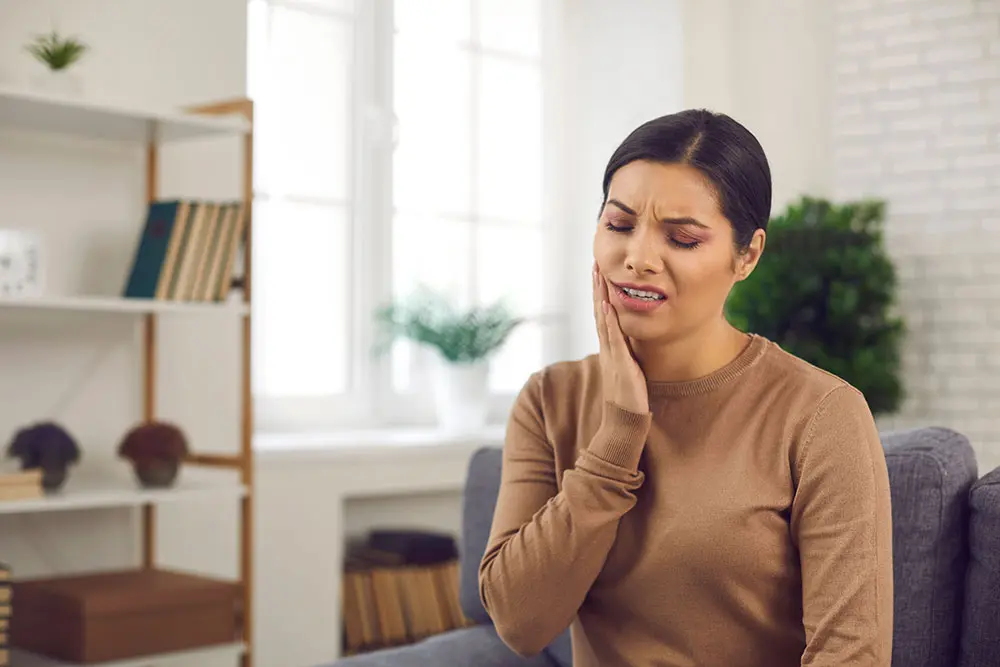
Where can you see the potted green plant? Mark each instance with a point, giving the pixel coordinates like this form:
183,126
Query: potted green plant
58,54
46,446
156,450
825,290
463,339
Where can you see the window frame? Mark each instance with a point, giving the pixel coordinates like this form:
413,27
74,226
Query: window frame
371,400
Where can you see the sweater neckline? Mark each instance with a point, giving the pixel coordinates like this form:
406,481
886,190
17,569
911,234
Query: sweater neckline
751,352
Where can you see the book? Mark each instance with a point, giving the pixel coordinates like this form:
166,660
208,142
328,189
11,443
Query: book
417,547
5,612
233,249
19,485
19,477
188,251
157,250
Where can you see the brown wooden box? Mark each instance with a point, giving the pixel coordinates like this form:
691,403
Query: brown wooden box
123,614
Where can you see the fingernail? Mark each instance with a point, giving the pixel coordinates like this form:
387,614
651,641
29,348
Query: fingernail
605,307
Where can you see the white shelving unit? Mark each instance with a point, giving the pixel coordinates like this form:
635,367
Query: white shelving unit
99,494
178,659
22,110
28,110
110,305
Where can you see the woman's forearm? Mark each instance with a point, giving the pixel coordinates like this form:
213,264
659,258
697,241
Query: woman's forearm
545,552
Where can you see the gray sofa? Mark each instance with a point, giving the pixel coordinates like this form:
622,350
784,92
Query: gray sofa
946,542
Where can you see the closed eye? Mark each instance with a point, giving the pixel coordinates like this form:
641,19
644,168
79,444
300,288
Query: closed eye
685,245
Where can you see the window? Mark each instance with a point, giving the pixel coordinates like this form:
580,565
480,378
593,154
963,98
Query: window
397,144
300,65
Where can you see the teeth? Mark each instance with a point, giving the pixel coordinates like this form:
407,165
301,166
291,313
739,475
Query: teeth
642,294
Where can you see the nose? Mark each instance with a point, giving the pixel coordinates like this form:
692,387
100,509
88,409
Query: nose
641,256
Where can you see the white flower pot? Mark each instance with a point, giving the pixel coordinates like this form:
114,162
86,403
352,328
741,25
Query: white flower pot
64,83
461,395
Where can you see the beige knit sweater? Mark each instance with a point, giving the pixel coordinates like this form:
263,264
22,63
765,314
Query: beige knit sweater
744,521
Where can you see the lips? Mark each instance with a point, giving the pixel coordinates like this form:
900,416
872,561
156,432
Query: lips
644,288
637,303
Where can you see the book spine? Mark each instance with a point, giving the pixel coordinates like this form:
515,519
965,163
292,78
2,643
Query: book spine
387,605
5,612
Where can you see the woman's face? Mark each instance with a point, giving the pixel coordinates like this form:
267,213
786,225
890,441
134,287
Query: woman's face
661,230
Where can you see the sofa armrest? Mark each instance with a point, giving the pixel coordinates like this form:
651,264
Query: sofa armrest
980,639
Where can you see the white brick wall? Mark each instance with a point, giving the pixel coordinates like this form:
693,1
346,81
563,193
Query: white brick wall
916,121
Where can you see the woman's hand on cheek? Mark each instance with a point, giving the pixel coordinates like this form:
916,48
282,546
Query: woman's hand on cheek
623,379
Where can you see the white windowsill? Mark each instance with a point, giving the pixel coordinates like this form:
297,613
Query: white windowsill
396,444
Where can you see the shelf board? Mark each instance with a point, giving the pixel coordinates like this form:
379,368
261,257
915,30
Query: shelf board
180,658
83,117
86,494
110,304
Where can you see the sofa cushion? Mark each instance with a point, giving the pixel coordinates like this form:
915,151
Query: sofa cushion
480,500
478,645
981,624
481,489
931,471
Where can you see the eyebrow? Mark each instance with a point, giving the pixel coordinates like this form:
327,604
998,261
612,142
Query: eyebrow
669,221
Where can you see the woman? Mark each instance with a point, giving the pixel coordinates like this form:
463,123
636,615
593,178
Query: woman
691,495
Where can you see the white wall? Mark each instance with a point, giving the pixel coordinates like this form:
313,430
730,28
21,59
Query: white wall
766,63
917,107
88,199
623,66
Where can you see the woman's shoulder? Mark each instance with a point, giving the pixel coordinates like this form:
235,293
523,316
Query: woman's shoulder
781,368
801,390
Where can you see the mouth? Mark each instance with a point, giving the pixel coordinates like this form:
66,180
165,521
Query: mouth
639,298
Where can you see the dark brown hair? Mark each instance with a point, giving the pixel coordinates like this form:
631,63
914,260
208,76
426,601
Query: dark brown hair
727,153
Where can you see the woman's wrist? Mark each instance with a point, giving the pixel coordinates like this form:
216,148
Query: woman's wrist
621,436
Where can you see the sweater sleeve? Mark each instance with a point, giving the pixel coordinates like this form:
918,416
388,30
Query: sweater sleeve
546,545
841,519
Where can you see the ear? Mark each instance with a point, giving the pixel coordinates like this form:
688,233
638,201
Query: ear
748,259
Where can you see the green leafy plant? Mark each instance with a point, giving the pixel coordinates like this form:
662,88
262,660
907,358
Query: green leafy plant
459,335
56,51
824,290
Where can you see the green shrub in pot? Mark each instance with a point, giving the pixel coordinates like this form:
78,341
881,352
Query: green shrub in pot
825,290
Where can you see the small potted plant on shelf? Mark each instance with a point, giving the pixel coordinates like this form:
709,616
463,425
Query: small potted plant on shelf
46,446
464,341
156,450
58,54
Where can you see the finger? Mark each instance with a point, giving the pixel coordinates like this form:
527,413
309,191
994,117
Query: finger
595,277
599,317
616,337
595,293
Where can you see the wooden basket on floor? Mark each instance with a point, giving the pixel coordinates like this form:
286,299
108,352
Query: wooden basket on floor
386,602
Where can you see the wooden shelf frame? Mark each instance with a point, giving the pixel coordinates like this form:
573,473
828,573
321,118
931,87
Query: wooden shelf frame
243,461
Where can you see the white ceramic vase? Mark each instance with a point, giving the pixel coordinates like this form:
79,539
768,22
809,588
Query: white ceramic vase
461,395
